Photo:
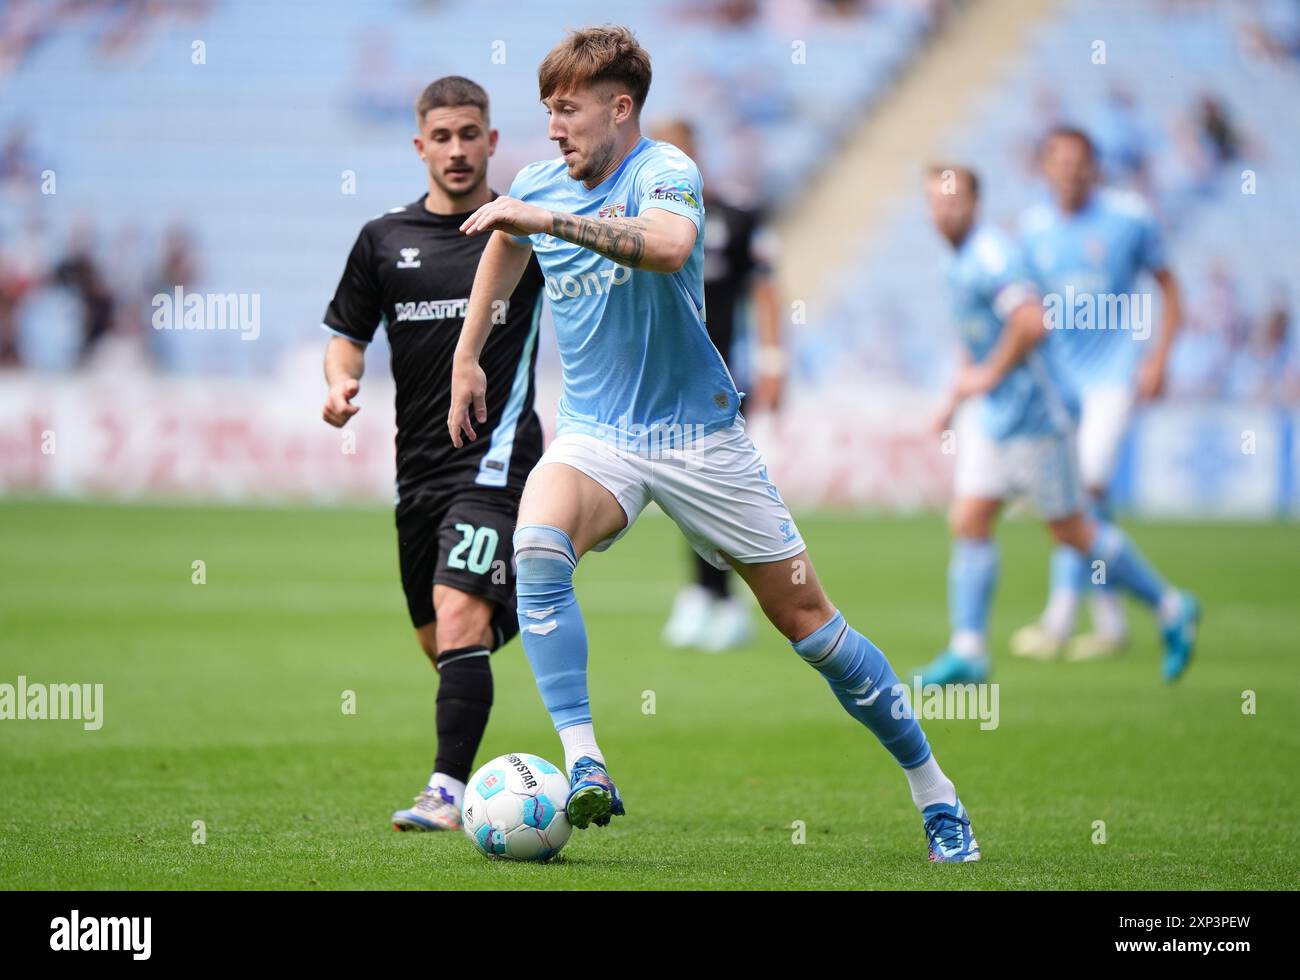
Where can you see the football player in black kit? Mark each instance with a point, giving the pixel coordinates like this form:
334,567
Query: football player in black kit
738,257
412,270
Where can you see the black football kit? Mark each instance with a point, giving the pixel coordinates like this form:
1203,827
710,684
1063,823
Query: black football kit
411,271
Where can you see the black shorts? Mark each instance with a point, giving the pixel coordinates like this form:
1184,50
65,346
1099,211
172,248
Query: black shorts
463,540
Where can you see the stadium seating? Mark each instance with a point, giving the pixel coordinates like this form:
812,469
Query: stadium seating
242,149
890,318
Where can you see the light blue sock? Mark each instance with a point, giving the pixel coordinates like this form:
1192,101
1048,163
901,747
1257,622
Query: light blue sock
1126,567
868,688
1069,570
1101,512
550,622
972,576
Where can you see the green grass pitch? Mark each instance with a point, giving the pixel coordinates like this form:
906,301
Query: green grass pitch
223,703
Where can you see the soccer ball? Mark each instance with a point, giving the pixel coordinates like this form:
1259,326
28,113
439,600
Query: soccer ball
514,808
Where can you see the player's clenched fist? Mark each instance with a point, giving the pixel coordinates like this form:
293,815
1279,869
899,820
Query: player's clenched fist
508,215
338,403
468,390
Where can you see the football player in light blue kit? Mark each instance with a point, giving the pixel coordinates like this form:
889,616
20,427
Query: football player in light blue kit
648,412
1017,439
1087,249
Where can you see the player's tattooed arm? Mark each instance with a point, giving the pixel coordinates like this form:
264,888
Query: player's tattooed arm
620,239
656,241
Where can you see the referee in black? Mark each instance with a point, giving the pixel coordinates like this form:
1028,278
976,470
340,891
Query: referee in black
411,269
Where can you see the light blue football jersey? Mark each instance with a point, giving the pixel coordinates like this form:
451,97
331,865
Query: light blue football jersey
633,346
1088,264
987,279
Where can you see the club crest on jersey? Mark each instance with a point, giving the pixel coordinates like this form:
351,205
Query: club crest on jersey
410,258
612,211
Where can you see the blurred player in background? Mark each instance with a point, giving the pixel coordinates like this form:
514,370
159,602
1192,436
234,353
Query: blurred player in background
413,269
739,252
1017,440
649,412
1086,250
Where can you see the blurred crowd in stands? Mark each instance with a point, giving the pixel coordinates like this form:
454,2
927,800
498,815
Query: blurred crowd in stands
66,297
117,27
69,291
1228,349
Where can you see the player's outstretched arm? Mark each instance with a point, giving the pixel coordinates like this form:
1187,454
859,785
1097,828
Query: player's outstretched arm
657,241
345,362
499,271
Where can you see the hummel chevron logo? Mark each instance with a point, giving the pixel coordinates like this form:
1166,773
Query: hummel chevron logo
544,629
866,685
540,613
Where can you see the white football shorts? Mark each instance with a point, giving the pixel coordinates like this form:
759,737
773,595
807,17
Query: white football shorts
1105,414
715,488
1043,468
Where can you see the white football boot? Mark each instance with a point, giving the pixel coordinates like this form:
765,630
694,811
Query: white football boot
1036,643
689,621
731,625
434,809
1095,646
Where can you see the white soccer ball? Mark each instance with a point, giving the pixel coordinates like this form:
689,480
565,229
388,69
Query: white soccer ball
514,808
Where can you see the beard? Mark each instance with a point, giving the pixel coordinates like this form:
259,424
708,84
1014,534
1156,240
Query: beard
458,190
596,164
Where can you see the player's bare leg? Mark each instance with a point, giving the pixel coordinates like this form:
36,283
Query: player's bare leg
864,683
564,514
789,594
458,644
566,498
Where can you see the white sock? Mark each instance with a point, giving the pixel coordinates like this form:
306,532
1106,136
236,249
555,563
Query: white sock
968,644
1171,606
454,787
1062,608
1108,617
579,740
930,785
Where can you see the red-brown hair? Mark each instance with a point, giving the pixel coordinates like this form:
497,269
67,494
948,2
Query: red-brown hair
593,55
